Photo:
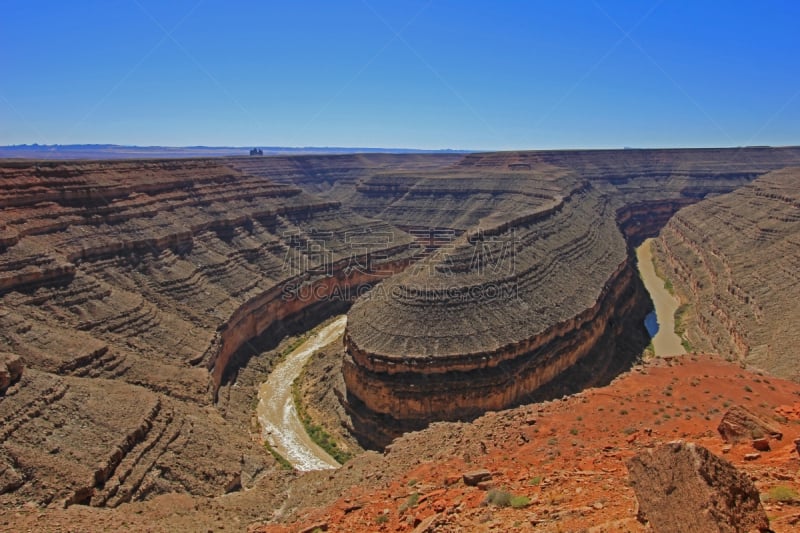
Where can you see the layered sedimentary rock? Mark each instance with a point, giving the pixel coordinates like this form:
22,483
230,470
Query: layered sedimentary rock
472,187
154,274
485,323
143,284
734,261
459,333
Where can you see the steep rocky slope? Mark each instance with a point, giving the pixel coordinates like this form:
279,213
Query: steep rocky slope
734,261
535,270
157,275
566,456
137,296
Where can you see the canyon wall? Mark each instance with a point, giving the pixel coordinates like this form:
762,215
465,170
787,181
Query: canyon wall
733,261
133,291
138,281
430,345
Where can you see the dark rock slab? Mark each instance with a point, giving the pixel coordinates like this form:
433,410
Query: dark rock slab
683,487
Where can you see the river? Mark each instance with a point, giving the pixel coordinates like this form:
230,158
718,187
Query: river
284,431
660,323
281,425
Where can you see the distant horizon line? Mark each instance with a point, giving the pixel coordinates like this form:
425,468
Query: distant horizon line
230,147
37,146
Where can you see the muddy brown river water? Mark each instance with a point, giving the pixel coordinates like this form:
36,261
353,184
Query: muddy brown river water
281,426
665,341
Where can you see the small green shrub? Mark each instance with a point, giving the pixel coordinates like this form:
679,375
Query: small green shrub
518,502
500,498
535,480
669,287
782,493
412,501
317,433
285,464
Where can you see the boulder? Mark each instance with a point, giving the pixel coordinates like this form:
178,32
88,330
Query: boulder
684,487
10,369
476,476
10,478
761,444
739,424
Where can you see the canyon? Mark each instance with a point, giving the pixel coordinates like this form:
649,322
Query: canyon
530,282
132,291
147,299
735,265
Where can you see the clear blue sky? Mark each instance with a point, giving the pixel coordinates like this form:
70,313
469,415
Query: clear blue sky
425,74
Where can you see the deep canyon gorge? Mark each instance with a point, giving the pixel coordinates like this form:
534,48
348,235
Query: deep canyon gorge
145,300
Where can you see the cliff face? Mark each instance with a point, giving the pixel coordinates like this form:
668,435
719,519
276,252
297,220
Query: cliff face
462,333
153,274
733,261
408,398
490,324
132,291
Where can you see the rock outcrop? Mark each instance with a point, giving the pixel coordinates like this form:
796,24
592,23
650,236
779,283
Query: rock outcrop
469,335
10,370
740,424
683,487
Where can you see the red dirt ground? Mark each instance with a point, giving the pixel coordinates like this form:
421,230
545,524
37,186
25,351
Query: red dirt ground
568,456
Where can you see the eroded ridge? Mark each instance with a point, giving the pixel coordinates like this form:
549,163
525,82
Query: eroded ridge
734,262
466,336
140,284
457,335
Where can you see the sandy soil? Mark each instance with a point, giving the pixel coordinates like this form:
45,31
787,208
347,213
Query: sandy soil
665,342
282,427
567,457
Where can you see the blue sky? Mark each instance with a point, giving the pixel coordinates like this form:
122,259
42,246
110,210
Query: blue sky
422,74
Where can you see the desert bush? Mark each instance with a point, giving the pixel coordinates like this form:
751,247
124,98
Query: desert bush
500,498
412,501
782,493
518,502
